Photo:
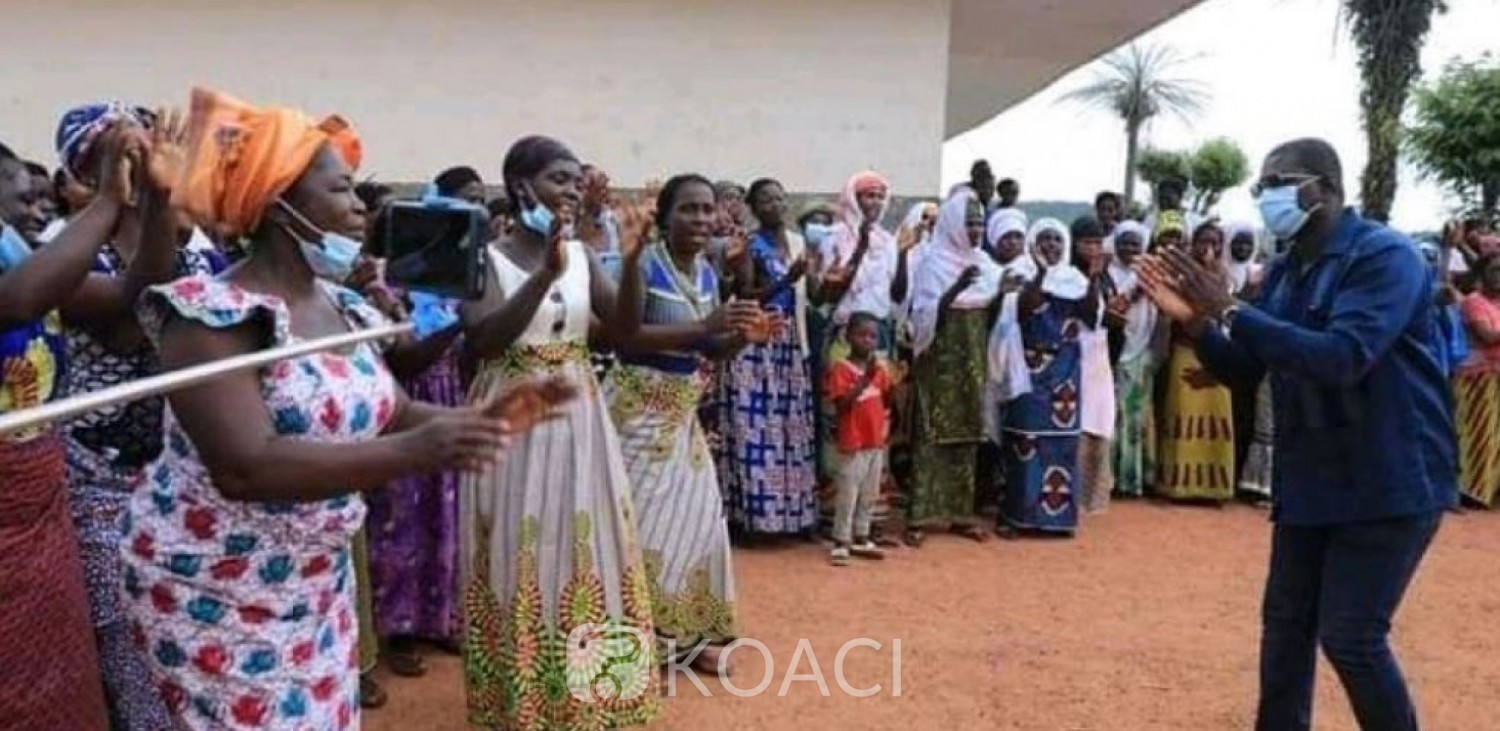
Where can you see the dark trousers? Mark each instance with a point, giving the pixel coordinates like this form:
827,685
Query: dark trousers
1338,586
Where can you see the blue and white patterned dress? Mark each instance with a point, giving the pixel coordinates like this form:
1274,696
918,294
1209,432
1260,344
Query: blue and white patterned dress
246,610
767,453
1040,449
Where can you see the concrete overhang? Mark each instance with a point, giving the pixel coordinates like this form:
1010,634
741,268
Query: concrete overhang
1002,51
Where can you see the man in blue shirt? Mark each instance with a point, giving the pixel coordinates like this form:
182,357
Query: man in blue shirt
1366,453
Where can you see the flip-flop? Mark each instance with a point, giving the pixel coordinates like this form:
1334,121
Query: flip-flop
973,533
371,695
405,664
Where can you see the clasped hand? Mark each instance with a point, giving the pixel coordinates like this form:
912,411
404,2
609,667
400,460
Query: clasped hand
1182,288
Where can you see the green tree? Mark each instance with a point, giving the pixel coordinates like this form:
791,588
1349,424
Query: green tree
1216,166
1388,35
1455,136
1154,165
1137,85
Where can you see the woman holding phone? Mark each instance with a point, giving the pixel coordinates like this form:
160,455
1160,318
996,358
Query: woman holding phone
238,574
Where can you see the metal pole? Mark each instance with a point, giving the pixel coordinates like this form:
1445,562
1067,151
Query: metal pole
135,390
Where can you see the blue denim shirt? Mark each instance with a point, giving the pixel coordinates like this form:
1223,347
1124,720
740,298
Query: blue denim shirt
1363,410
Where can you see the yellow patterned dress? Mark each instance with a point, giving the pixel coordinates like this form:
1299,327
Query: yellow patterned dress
654,401
1196,433
1476,389
559,628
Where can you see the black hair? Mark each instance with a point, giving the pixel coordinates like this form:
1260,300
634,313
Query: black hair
1011,182
452,180
1482,263
759,185
6,153
527,158
858,318
1173,182
38,170
1108,195
499,206
980,168
668,195
1317,157
10,165
724,186
1209,226
755,189
370,193
1086,227
59,182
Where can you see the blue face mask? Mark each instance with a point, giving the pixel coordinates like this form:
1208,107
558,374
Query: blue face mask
332,256
1282,212
538,218
816,233
13,248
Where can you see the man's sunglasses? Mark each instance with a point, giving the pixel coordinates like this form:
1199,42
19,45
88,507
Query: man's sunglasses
1281,180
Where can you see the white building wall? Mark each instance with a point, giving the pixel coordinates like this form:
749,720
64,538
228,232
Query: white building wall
805,90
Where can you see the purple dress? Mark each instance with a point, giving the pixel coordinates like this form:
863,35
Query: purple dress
413,529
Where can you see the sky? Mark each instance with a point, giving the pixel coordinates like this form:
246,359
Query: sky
1275,69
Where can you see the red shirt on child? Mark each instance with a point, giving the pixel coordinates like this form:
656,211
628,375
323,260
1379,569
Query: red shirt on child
865,425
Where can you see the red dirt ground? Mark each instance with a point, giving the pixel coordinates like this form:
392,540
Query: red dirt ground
1147,622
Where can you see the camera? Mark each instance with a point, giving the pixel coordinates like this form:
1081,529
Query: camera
435,245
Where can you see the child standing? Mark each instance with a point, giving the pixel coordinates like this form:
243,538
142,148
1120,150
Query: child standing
859,388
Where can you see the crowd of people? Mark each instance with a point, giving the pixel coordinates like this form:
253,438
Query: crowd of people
646,382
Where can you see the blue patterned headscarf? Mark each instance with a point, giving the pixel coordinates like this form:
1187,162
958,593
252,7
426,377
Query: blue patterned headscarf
78,128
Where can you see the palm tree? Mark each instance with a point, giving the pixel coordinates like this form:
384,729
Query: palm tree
1389,36
1137,86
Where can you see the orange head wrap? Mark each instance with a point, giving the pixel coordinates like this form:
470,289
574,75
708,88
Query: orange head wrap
240,158
867,182
864,182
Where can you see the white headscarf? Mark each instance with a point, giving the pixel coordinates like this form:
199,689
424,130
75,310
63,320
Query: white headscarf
949,254
1124,277
1141,318
1239,271
914,217
1007,375
1004,222
912,222
1063,281
913,259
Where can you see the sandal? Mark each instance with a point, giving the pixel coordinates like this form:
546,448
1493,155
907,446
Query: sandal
839,556
973,533
406,664
915,537
867,550
402,658
707,661
371,695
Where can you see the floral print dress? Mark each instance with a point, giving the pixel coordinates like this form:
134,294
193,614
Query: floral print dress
245,610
